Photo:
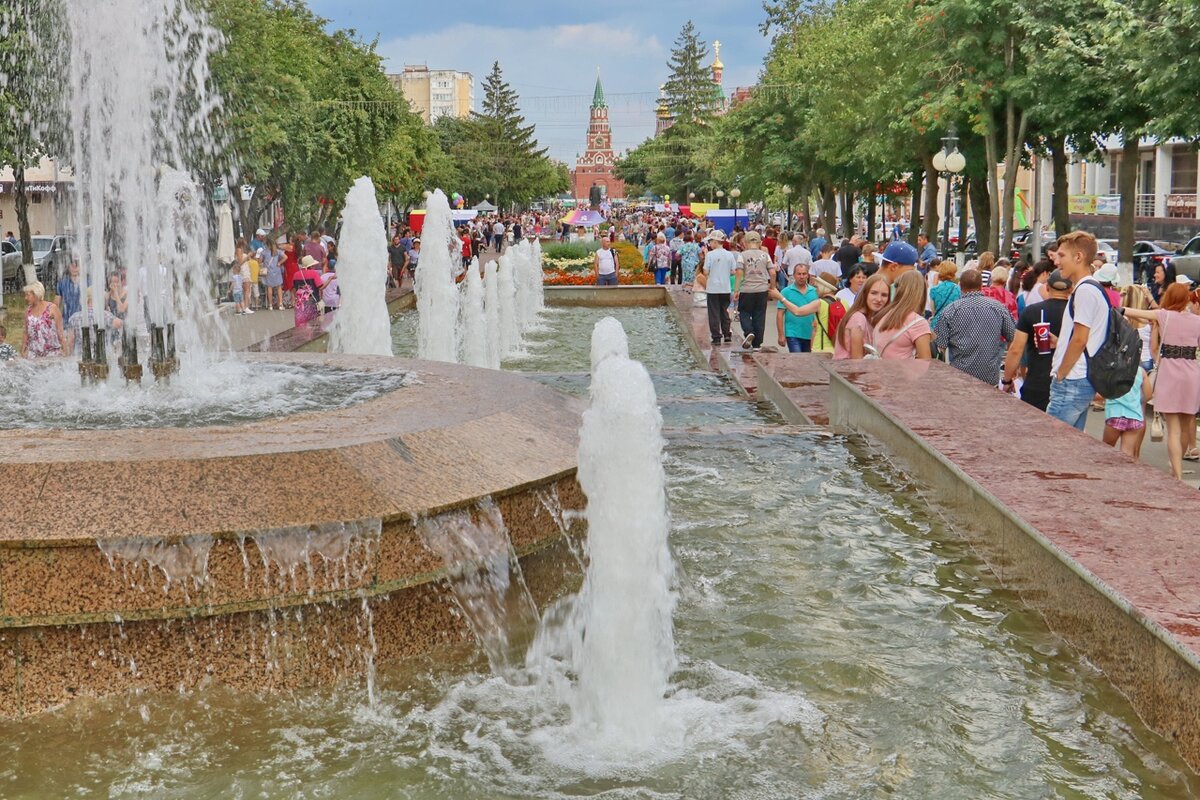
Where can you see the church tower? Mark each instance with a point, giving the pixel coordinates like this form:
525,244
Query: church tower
595,166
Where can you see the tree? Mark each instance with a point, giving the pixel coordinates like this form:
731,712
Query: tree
690,92
27,99
516,164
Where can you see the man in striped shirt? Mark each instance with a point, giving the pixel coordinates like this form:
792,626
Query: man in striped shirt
976,330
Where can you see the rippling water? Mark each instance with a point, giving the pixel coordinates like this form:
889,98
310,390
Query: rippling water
835,640
562,343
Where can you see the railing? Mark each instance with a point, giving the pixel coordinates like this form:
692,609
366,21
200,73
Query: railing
1143,205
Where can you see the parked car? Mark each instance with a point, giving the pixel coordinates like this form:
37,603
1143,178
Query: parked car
1025,251
1187,260
50,257
10,256
1147,256
1107,249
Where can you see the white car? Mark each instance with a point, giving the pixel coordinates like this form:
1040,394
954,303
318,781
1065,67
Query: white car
1107,249
10,256
50,256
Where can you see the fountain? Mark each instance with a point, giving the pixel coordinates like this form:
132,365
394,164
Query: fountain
510,326
437,296
362,325
473,320
622,642
491,308
136,209
251,520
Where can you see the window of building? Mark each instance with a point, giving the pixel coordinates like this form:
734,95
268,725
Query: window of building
1114,170
1183,170
443,96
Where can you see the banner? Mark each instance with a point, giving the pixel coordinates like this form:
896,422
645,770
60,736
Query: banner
1081,204
1109,204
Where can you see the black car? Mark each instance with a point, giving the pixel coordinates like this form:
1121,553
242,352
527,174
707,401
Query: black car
1147,256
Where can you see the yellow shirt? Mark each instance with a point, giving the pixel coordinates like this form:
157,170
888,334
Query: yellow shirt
254,267
820,342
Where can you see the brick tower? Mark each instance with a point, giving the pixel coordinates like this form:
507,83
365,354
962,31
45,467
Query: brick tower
595,166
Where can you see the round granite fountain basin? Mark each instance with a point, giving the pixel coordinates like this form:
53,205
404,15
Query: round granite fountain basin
269,553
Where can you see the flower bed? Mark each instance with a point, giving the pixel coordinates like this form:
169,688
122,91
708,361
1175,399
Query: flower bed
562,277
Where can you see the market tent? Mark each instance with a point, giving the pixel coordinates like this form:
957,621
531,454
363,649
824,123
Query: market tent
464,215
726,218
484,206
416,220
700,209
583,216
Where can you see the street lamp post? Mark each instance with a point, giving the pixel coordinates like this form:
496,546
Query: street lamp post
787,192
948,161
735,193
720,195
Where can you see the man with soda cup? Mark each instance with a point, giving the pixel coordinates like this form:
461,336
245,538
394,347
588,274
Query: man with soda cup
1032,349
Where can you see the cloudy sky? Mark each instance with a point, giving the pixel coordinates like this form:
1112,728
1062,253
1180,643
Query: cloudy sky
549,51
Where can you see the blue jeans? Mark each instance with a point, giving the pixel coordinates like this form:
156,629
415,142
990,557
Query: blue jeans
797,345
1070,401
607,280
660,276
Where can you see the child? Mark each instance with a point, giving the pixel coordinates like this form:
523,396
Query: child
1125,418
251,273
7,351
236,282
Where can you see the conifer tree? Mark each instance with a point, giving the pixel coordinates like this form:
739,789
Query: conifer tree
507,144
689,91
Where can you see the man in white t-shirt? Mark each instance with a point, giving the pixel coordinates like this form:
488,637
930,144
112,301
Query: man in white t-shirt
719,265
605,264
498,234
1084,324
826,267
796,254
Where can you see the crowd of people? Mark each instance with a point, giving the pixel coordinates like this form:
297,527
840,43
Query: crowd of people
1026,329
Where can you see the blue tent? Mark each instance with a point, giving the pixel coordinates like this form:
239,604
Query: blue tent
724,218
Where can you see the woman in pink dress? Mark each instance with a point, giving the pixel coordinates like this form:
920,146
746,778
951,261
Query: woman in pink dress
43,325
855,332
901,331
1177,381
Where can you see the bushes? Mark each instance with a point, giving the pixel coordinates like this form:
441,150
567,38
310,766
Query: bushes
629,255
566,251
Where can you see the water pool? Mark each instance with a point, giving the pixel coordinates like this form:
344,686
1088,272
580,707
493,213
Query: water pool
850,644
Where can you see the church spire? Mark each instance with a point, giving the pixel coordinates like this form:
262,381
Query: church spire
598,95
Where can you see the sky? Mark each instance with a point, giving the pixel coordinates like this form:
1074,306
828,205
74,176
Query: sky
549,52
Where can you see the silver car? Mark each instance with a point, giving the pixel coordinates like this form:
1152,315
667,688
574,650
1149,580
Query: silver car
10,257
1187,260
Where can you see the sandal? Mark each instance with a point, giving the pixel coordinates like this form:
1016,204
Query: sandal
1192,455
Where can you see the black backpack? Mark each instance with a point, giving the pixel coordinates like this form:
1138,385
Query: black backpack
1113,369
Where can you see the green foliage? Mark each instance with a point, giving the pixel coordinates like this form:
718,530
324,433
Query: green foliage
689,90
560,251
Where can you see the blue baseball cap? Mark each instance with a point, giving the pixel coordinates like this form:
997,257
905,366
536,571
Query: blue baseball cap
900,253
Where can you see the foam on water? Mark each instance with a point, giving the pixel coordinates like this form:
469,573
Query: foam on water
227,392
361,325
437,295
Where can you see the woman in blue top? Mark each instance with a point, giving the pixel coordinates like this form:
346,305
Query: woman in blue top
689,257
945,291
